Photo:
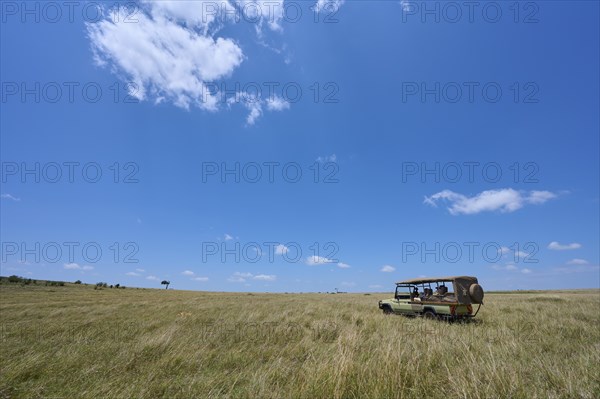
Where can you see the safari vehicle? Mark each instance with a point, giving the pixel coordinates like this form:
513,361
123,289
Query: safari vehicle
431,298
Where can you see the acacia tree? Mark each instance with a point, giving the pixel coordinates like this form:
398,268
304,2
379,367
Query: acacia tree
166,283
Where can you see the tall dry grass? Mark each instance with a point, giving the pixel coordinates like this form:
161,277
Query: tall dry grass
71,342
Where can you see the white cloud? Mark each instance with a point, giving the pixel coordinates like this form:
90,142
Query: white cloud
509,267
406,5
317,260
521,255
374,286
525,271
188,273
140,270
75,266
539,197
164,59
134,274
330,158
554,245
238,277
388,269
328,6
253,104
503,200
281,249
170,52
228,237
10,197
504,250
265,277
198,13
577,261
202,279
343,265
260,12
153,278
277,103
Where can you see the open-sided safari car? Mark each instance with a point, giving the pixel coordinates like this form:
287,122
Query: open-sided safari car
442,297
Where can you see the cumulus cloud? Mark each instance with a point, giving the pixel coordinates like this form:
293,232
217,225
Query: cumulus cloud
198,13
187,273
328,6
238,277
343,265
228,237
577,261
277,103
388,269
75,266
153,278
265,277
327,158
201,279
509,267
503,251
171,53
317,260
10,197
281,249
504,200
556,246
133,274
164,59
525,271
140,270
255,111
406,5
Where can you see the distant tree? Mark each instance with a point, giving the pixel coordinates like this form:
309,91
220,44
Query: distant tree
78,282
166,283
111,286
117,285
14,279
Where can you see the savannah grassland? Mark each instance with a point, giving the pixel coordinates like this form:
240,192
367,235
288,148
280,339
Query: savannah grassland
77,342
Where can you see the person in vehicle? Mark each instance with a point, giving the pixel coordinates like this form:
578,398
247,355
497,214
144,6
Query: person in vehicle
427,293
415,294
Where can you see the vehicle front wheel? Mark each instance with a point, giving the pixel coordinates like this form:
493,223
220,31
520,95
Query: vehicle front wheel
387,310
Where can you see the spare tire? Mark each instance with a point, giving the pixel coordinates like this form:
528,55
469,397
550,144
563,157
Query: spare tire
476,293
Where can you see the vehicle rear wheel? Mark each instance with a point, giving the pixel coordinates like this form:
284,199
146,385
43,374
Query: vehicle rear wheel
429,314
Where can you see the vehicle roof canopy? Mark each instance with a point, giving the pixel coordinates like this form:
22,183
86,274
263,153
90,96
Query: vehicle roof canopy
466,279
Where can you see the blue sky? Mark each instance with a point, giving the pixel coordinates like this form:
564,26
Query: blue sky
430,140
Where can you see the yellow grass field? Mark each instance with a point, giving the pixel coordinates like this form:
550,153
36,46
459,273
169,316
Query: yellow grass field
77,342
